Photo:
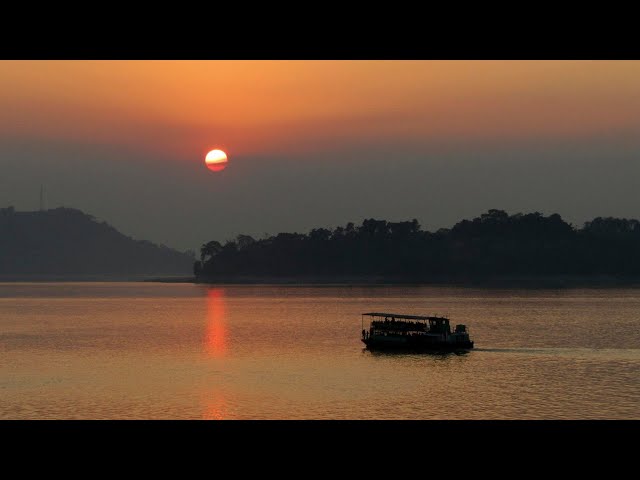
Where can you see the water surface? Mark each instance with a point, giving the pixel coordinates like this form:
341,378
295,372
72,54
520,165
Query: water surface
153,350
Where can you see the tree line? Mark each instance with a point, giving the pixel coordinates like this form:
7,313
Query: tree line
495,243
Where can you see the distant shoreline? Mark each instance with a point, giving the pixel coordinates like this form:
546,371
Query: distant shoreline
34,277
506,281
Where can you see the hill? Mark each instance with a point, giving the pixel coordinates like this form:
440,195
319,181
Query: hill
67,242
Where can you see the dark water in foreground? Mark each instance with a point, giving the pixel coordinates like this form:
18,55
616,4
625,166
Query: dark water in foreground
142,350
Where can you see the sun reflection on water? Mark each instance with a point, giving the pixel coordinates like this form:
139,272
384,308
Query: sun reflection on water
215,346
216,336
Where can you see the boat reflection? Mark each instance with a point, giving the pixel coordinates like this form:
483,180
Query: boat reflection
215,342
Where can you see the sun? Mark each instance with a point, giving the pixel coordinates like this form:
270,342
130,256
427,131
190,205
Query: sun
216,160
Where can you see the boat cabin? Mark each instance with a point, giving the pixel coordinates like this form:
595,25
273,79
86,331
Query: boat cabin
413,331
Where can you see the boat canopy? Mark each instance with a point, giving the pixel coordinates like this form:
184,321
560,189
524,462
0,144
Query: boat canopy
404,317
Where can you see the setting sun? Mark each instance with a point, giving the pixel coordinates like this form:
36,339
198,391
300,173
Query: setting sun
216,160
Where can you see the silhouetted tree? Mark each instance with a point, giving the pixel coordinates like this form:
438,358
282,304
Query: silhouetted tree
244,241
494,243
209,249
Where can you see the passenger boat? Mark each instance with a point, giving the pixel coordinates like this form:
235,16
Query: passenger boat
413,332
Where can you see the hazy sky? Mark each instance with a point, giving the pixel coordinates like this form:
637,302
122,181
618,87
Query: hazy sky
318,143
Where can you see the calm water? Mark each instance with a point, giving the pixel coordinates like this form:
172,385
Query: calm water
144,350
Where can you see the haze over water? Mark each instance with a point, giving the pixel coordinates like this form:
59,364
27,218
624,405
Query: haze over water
148,350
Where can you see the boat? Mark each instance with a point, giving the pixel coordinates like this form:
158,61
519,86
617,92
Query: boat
413,332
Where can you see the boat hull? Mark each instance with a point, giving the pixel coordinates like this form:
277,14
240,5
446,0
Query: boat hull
411,344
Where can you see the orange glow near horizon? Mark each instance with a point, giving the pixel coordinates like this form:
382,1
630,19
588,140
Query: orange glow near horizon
293,107
215,342
216,160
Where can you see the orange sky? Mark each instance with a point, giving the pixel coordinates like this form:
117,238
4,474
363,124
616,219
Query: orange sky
310,142
185,108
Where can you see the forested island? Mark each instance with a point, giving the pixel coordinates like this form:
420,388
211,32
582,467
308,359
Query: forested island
493,246
65,243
